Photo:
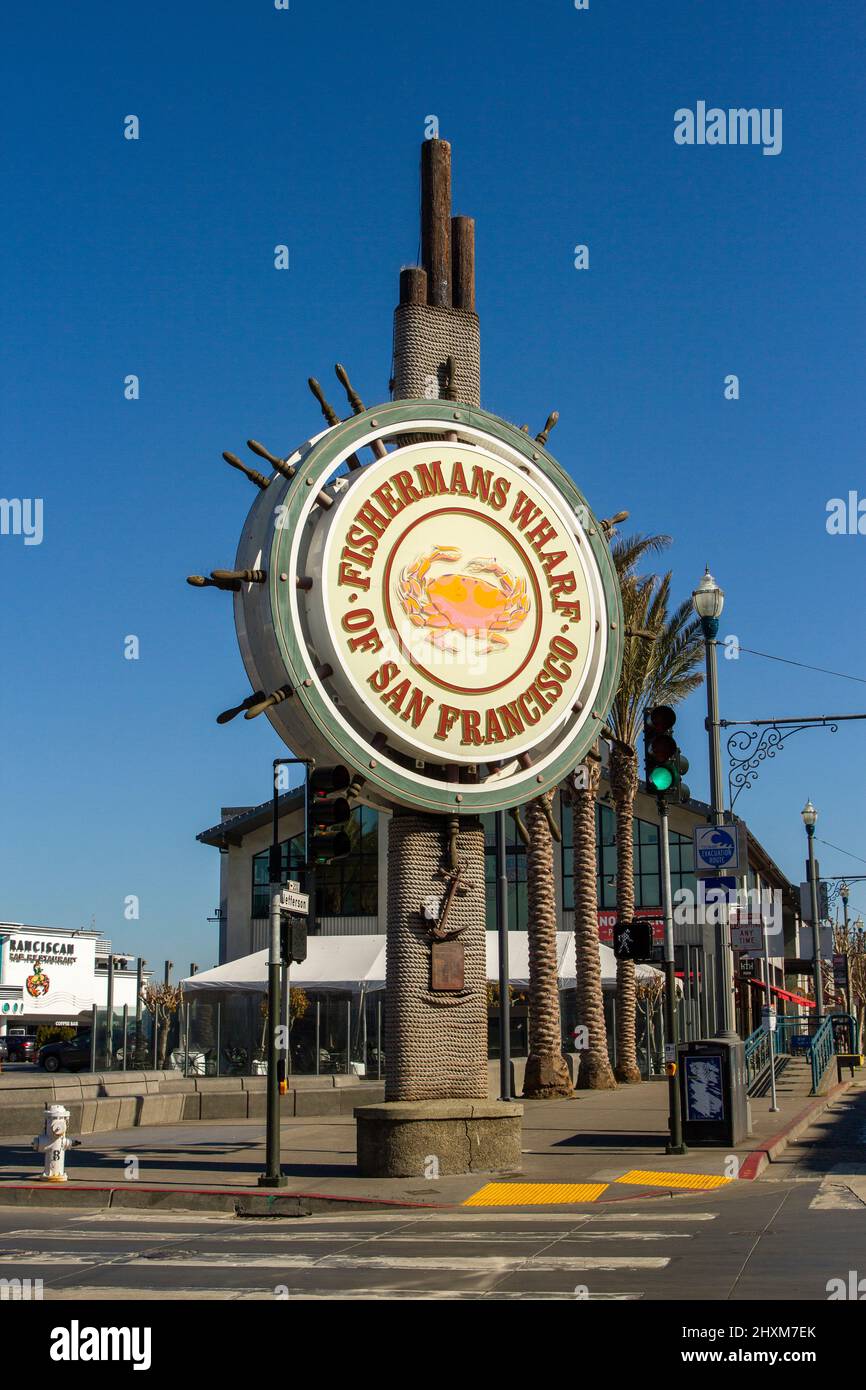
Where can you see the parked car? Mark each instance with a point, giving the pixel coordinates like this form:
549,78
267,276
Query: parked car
70,1054
20,1046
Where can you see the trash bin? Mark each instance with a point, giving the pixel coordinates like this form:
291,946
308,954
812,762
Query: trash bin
712,1078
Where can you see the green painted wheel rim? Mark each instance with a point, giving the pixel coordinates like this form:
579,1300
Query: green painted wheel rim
384,778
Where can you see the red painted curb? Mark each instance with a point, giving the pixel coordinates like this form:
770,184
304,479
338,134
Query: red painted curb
763,1155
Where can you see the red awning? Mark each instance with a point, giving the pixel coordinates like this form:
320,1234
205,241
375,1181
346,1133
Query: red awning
781,993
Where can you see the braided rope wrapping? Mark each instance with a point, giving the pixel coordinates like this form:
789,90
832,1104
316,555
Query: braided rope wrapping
424,338
435,1043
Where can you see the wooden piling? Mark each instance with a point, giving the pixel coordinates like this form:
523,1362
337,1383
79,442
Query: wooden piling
413,285
436,220
463,262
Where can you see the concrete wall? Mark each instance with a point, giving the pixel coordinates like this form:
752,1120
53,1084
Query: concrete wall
100,1101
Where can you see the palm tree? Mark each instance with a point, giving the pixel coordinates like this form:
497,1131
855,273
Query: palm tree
546,1069
656,671
594,1069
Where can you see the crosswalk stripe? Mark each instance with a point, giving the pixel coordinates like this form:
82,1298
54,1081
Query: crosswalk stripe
835,1196
647,1178
525,1194
654,1216
482,1237
379,1294
126,1221
464,1264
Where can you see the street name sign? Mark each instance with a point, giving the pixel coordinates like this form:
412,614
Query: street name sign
291,901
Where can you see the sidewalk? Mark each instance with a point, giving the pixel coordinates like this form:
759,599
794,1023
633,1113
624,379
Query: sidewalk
606,1146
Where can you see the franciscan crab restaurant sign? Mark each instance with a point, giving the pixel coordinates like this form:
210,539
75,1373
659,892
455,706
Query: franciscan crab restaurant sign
449,625
55,973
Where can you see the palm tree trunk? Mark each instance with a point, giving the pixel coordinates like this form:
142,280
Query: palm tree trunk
594,1070
623,783
546,1069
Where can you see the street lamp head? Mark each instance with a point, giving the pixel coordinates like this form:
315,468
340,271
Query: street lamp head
810,816
708,599
844,891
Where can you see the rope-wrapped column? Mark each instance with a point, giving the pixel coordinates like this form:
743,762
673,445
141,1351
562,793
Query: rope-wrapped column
435,1041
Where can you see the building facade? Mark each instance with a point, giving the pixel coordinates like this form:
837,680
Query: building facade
351,894
61,974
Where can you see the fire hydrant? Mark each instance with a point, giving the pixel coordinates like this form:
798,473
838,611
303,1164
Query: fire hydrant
53,1142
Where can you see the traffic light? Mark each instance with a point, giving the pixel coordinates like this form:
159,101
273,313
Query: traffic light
665,765
327,814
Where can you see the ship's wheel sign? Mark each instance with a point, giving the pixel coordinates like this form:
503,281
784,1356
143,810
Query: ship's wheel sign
38,983
445,620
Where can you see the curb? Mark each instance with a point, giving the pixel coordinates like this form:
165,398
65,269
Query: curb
239,1203
760,1158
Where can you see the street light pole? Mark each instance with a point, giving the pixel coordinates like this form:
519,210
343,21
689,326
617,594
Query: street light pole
708,601
810,817
844,891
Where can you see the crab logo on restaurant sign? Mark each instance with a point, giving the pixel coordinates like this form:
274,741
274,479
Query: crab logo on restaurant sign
459,638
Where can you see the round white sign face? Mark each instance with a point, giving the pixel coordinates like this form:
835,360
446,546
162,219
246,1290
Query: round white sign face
458,609
444,618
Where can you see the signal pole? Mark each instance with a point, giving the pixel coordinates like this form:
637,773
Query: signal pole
675,1144
273,1175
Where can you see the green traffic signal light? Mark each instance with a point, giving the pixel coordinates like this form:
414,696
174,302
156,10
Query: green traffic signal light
664,763
661,778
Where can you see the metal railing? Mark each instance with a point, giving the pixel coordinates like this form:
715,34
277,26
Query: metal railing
757,1048
801,1037
822,1052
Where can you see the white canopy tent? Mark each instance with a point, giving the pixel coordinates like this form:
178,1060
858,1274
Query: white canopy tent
337,964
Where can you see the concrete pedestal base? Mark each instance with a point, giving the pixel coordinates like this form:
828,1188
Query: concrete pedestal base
418,1139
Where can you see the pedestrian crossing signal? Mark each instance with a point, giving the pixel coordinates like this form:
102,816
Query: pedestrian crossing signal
293,939
633,941
664,764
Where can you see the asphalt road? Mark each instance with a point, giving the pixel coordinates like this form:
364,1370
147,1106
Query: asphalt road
750,1241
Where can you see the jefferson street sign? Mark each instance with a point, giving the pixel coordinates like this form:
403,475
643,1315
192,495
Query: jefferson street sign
291,901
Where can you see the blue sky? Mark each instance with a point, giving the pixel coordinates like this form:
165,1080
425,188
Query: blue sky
302,127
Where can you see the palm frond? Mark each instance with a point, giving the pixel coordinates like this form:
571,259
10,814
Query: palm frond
628,551
660,672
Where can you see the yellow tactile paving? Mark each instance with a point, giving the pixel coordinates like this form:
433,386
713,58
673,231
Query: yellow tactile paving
533,1194
646,1178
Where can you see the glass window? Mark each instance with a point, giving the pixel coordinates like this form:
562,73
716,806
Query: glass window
647,863
682,862
515,869
346,888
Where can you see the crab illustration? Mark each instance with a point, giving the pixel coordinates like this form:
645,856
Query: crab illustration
38,982
452,603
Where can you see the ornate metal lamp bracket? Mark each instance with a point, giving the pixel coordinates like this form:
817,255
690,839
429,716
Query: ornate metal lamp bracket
755,741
